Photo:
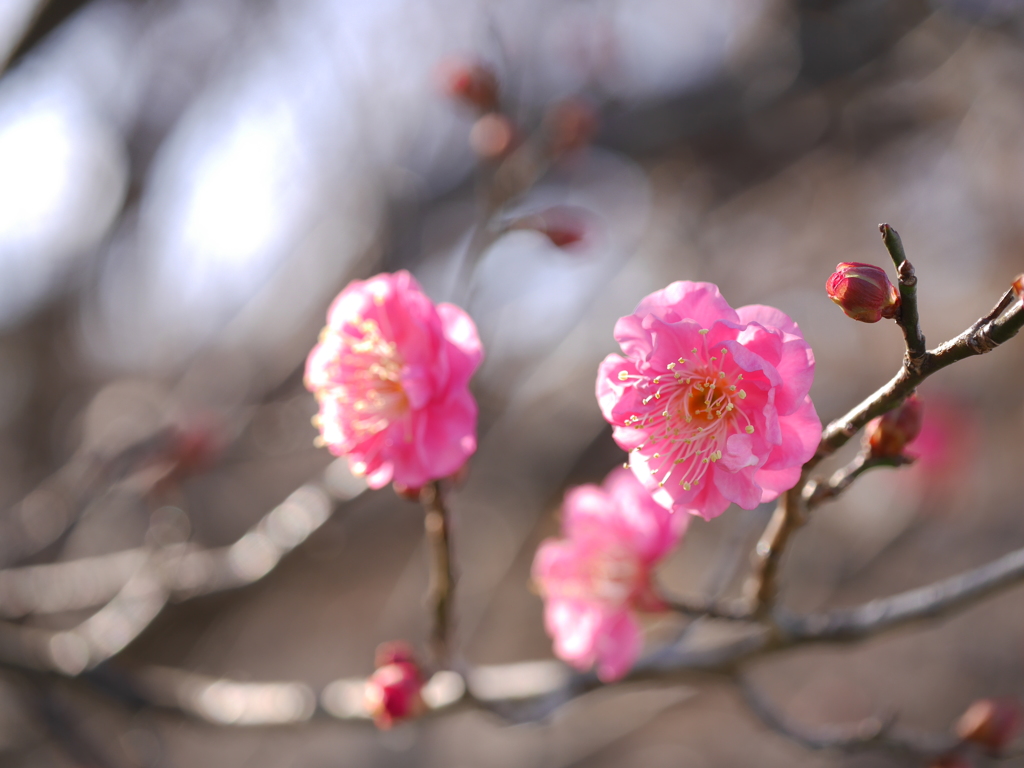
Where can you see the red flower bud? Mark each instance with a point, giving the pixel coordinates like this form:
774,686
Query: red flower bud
863,291
990,723
563,225
472,84
492,136
393,692
570,125
888,435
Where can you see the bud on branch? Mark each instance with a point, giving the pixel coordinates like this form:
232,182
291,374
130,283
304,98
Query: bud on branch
863,291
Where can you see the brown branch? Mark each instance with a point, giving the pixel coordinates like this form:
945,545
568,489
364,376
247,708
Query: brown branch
788,516
929,602
976,340
983,336
442,581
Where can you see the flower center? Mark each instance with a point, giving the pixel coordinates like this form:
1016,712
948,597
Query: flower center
614,575
368,379
693,408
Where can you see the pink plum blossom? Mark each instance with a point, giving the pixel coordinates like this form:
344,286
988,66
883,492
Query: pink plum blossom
595,577
391,374
711,402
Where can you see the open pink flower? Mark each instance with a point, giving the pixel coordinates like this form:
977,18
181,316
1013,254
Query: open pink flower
391,374
710,401
593,579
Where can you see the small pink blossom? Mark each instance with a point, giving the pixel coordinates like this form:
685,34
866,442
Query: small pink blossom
391,374
712,403
600,573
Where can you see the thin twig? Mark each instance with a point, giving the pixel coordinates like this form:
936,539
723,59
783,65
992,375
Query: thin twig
816,493
907,318
442,582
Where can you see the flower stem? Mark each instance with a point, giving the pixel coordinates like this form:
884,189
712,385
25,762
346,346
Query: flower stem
442,581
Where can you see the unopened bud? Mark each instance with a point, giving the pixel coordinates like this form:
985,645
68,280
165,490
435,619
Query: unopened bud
473,84
888,435
393,691
863,291
570,125
563,225
990,723
492,136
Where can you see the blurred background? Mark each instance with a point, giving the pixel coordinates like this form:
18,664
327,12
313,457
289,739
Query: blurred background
186,184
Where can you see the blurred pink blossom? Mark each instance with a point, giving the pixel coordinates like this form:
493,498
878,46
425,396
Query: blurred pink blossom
391,374
712,403
946,450
600,573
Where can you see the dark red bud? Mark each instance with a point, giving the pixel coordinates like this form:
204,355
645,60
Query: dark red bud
888,435
570,126
492,136
393,691
863,291
563,225
471,83
990,723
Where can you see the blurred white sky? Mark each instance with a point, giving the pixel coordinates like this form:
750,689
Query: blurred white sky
278,134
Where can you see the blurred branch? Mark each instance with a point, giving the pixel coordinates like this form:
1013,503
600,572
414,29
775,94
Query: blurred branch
870,733
929,602
712,609
531,691
136,584
67,732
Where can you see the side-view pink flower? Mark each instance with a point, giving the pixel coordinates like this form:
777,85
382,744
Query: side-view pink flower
594,578
391,374
711,402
